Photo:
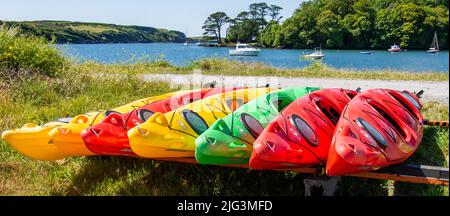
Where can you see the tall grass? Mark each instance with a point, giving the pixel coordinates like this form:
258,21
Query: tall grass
19,52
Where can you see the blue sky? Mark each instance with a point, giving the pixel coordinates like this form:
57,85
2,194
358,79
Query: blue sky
182,15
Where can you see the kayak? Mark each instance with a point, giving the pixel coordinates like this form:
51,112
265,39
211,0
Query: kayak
379,128
36,141
173,134
67,138
230,140
301,134
109,137
32,141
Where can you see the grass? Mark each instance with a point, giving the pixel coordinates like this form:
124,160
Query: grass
222,66
29,95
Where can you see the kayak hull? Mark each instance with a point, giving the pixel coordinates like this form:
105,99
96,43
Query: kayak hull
379,128
177,130
231,138
301,134
109,137
68,138
34,141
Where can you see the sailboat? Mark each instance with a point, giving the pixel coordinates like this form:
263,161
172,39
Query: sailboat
434,45
186,43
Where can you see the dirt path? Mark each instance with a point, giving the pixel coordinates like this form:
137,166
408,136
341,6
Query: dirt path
434,91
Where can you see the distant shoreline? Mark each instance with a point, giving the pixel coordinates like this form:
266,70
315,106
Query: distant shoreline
233,45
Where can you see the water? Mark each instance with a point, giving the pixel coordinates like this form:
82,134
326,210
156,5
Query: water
180,55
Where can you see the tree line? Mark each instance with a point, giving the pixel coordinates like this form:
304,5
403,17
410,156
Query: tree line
344,24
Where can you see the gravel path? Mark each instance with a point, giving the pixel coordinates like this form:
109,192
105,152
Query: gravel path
434,91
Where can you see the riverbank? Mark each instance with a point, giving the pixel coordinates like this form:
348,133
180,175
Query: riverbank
225,67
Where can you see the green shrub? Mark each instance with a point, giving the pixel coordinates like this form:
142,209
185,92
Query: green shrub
19,52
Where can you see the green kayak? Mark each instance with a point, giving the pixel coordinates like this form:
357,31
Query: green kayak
230,140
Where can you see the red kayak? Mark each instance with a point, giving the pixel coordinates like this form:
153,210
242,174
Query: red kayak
379,127
109,137
301,134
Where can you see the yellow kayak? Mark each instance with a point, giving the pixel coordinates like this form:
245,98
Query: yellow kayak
173,134
67,137
33,141
36,141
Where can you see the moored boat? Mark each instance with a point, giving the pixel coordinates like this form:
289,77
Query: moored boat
317,54
395,48
244,50
434,45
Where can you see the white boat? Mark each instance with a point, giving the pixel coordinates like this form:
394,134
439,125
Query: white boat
395,48
434,45
186,43
244,50
317,54
367,52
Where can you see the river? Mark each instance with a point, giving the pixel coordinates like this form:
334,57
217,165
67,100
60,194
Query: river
180,55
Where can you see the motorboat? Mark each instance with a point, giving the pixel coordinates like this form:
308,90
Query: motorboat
317,54
395,48
245,50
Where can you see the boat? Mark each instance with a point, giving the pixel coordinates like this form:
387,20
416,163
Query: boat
173,134
317,54
109,137
229,140
395,48
367,52
32,141
67,137
35,141
379,128
301,135
244,50
434,45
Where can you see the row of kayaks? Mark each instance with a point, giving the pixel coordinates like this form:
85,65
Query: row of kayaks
344,130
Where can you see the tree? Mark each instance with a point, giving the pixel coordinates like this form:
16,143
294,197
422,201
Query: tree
402,25
259,12
330,29
243,28
214,23
274,12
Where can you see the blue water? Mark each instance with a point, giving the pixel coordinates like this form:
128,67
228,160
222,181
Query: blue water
180,55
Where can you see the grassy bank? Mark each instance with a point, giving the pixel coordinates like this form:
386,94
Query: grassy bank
29,93
82,32
220,66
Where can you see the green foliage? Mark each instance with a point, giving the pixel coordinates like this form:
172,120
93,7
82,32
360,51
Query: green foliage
271,36
363,24
213,25
27,54
251,25
78,32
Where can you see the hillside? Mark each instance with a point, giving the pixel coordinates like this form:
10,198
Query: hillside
78,32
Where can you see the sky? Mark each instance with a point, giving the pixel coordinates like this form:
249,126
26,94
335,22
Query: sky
182,15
